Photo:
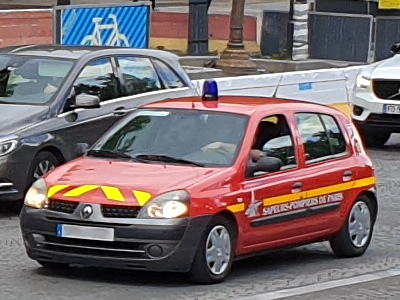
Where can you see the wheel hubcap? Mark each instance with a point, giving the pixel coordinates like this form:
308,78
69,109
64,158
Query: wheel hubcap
359,224
42,168
218,250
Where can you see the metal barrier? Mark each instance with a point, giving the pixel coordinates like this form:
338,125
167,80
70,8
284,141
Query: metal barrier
387,32
126,25
274,36
340,36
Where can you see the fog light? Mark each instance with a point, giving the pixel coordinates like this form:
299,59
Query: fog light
38,238
357,110
154,251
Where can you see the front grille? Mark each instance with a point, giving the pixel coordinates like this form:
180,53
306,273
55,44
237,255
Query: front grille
112,211
387,89
112,249
67,207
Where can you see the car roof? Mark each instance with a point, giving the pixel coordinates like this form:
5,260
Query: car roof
76,52
245,105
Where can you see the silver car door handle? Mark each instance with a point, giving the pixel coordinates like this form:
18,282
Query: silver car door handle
120,111
347,175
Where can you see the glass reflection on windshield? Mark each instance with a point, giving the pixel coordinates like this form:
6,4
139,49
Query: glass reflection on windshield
176,136
31,80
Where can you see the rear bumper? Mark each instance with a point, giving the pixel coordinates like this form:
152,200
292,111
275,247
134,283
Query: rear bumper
153,245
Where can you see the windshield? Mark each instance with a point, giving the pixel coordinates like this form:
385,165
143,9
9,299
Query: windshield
31,80
192,137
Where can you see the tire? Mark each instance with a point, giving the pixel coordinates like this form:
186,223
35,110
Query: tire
374,138
347,244
52,265
206,271
43,162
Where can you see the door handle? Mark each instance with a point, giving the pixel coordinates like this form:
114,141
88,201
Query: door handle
120,111
297,187
347,175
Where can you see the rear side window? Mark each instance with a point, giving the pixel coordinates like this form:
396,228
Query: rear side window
139,75
321,136
169,78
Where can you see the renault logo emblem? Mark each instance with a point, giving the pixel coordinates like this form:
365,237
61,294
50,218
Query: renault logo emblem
87,211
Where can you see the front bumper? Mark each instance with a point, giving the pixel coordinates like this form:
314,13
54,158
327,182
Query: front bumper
13,177
372,116
152,245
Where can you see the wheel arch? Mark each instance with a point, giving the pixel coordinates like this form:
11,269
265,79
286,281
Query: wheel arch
53,150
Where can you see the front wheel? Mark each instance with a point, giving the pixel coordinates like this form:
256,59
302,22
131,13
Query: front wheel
52,265
374,138
355,236
214,257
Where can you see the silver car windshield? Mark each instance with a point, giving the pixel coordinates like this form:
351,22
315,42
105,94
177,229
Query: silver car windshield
176,136
31,80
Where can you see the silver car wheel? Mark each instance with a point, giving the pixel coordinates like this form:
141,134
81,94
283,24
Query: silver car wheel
218,250
42,168
359,224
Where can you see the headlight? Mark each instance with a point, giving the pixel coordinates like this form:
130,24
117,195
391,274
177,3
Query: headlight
7,147
167,206
36,196
363,82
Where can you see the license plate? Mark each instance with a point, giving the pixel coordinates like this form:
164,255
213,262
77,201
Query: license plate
85,232
391,109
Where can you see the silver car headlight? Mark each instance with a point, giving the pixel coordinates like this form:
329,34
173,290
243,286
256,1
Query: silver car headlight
363,82
36,197
7,147
170,205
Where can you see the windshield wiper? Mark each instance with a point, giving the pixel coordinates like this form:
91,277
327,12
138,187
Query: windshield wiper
166,158
106,153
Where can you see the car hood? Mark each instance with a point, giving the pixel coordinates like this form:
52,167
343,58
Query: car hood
385,69
102,181
14,118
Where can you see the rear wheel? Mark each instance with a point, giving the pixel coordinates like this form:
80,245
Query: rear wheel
214,257
355,236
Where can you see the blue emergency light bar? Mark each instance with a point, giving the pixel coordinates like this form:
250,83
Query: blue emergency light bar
210,90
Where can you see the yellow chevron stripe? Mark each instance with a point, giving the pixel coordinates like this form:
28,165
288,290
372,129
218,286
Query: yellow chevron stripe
81,190
236,207
55,189
113,193
320,191
142,197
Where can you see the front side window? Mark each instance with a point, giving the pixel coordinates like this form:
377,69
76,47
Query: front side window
176,136
97,78
139,75
31,80
320,136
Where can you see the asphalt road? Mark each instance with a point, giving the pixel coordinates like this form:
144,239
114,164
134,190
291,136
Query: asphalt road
310,272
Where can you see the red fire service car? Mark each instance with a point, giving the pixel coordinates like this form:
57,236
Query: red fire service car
189,185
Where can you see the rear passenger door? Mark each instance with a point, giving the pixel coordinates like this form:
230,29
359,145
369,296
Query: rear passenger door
327,174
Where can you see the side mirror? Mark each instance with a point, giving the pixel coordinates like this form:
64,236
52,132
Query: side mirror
87,101
395,48
81,148
264,165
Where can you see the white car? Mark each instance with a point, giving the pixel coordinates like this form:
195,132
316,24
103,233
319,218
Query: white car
376,100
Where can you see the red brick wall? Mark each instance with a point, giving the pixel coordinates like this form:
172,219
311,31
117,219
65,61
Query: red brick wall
26,27
175,25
